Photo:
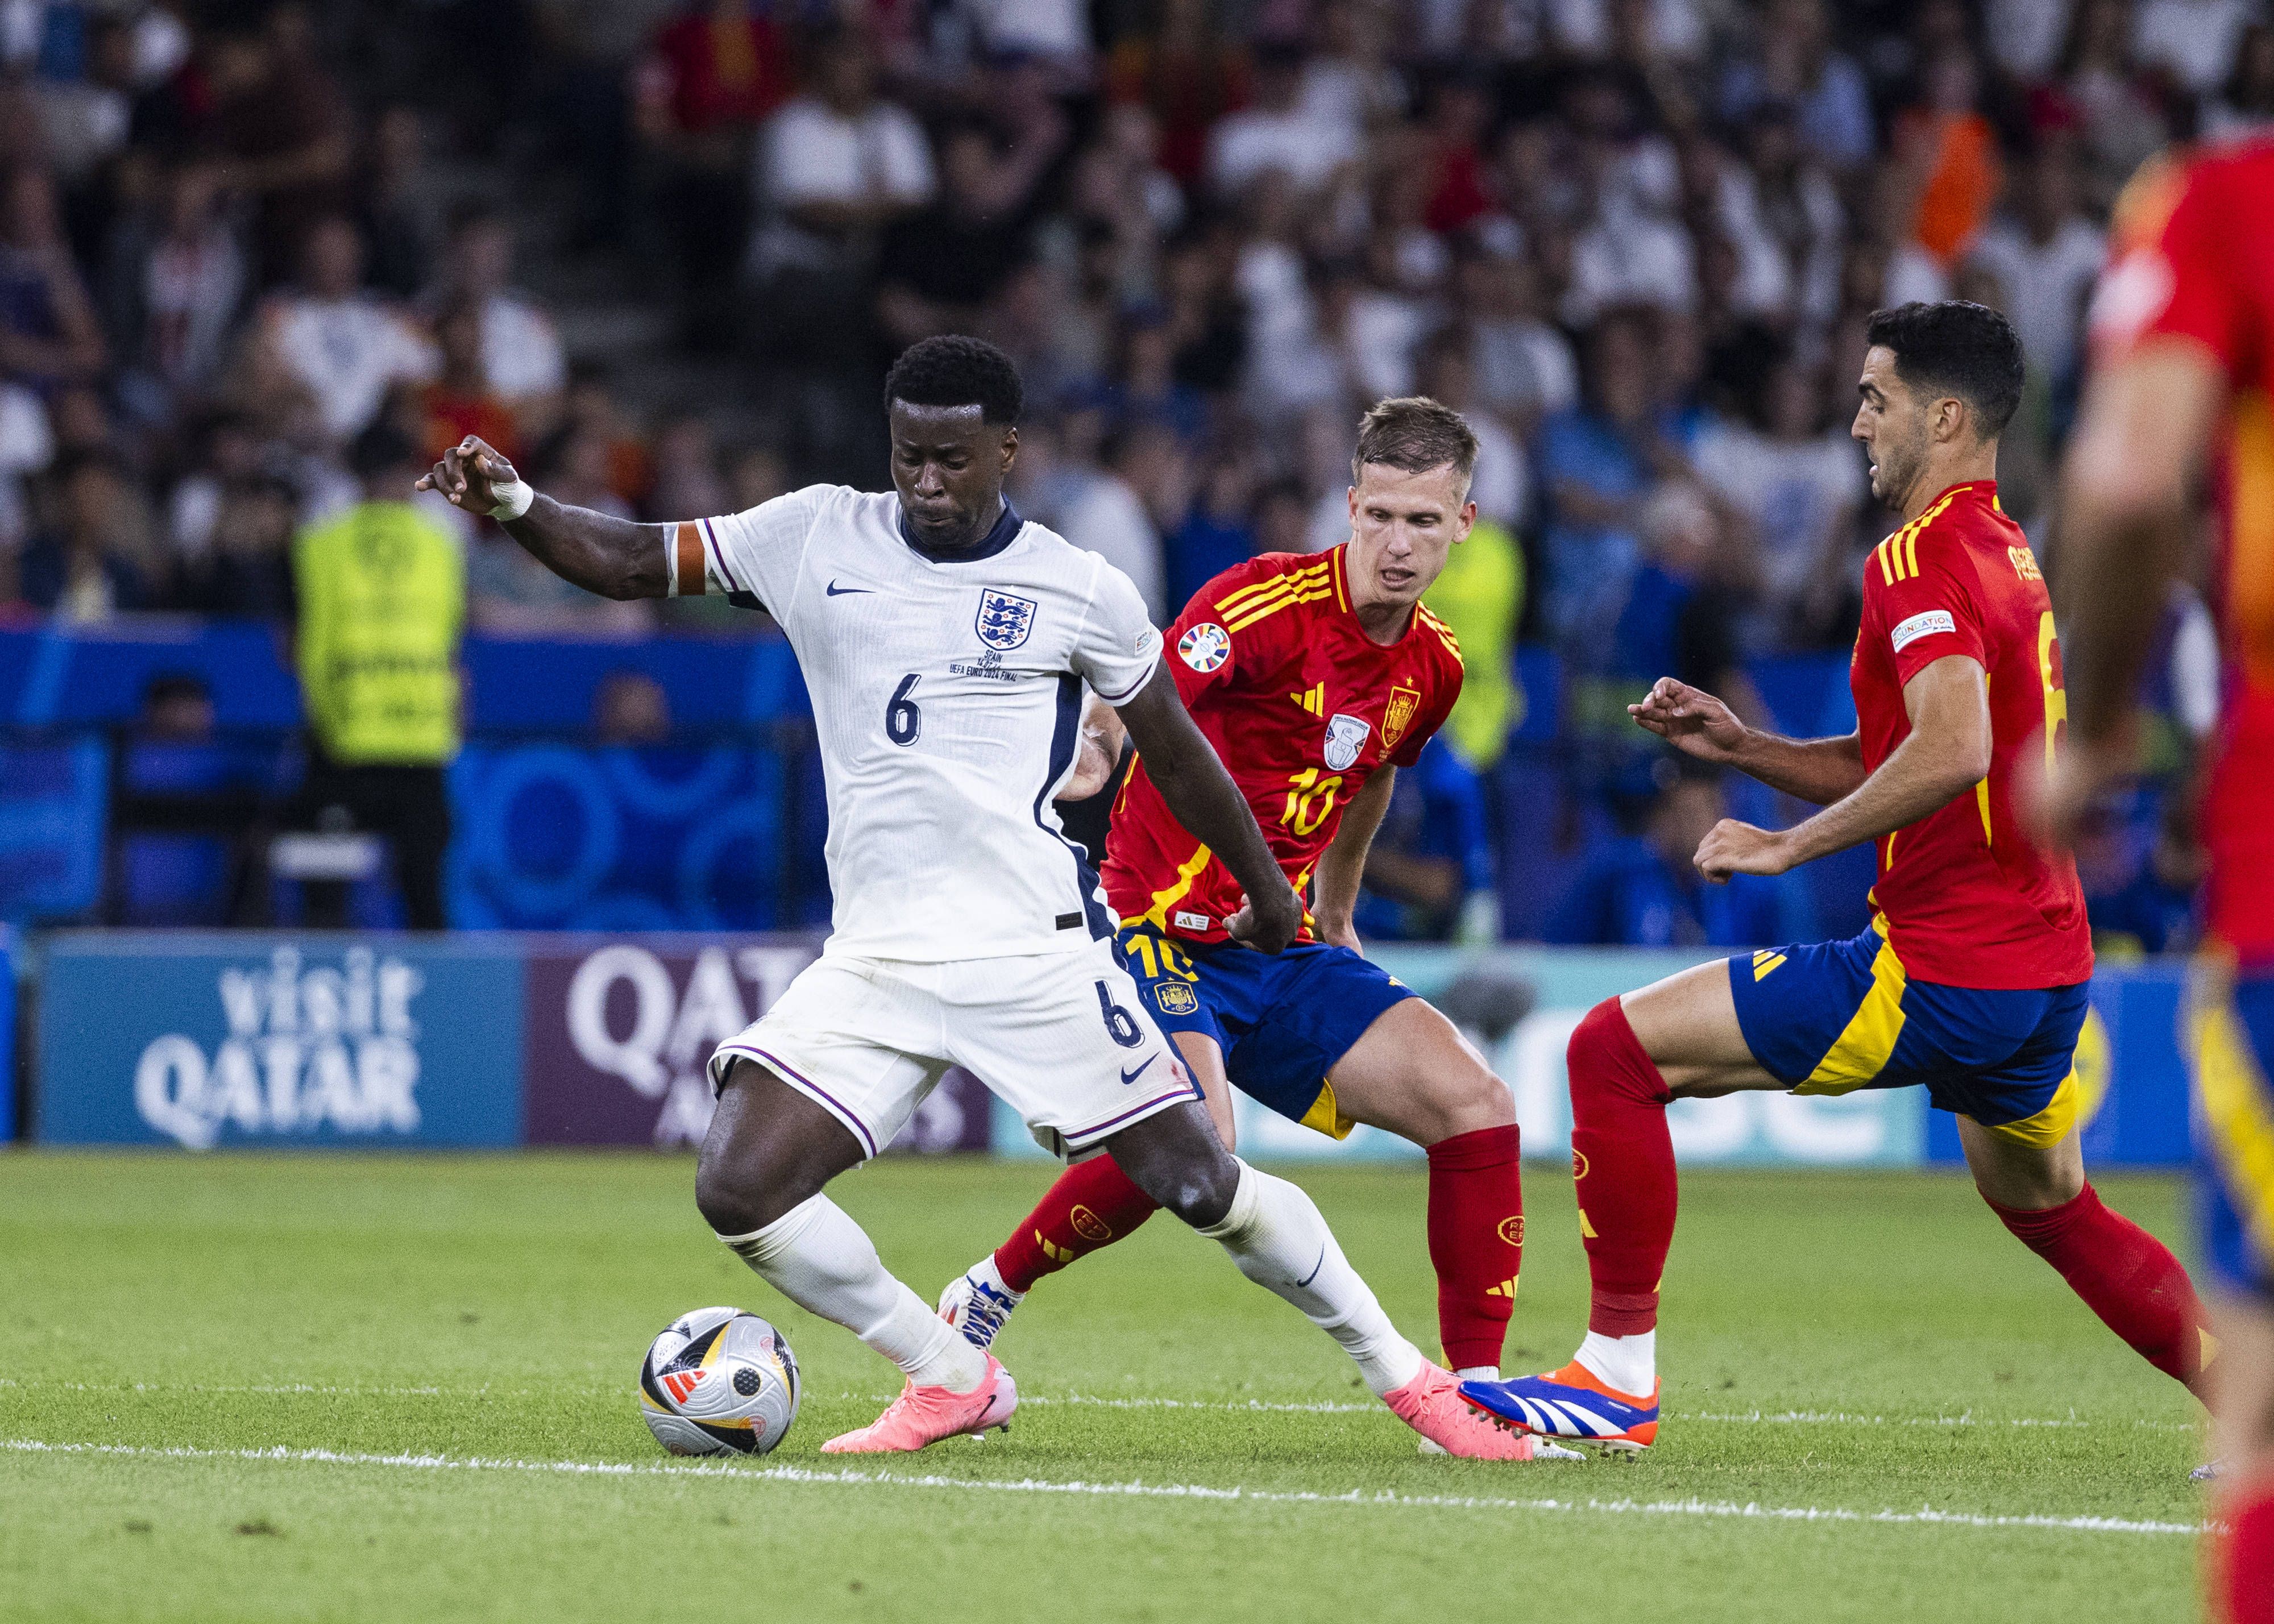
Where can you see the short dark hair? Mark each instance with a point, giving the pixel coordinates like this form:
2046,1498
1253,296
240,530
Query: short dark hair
1415,433
955,371
1955,347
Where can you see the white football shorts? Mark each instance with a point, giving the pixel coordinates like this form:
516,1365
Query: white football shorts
1060,1038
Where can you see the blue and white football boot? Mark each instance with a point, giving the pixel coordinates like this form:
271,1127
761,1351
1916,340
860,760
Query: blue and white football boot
1573,1402
978,1304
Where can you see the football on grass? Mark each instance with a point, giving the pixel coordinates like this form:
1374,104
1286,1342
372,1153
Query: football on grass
718,1381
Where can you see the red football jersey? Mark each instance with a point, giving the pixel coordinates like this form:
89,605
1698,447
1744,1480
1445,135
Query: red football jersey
2193,260
1301,705
1968,900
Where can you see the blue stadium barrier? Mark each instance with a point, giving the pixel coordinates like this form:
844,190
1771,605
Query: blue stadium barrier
7,1035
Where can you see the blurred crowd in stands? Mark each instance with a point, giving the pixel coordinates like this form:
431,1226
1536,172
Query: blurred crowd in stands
1634,240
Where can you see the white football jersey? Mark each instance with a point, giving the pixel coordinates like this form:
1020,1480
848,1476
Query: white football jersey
947,692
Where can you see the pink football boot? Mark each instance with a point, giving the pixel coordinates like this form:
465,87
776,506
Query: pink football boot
1431,1404
922,1416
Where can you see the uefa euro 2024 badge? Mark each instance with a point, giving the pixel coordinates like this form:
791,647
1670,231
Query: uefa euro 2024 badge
1345,737
1205,647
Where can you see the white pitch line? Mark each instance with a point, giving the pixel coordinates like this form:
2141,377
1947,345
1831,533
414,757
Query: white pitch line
1927,1516
1755,1417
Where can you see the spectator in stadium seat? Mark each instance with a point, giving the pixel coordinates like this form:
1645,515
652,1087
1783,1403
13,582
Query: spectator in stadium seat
277,129
687,479
460,400
1792,61
92,565
1276,131
247,570
174,286
941,267
1524,366
1502,487
2045,255
1798,483
1187,73
1640,889
1431,855
522,353
630,708
345,347
1686,602
382,592
396,203
1596,462
50,334
1217,531
2099,87
836,165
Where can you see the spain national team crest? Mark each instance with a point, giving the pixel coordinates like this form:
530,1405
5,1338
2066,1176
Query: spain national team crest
1005,619
1398,715
1345,737
1175,998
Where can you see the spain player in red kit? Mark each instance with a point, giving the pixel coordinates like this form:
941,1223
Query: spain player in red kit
2183,341
1315,677
1971,979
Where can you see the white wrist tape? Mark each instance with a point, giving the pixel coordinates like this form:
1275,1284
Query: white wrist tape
513,499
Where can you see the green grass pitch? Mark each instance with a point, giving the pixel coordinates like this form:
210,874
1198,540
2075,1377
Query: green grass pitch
1879,1407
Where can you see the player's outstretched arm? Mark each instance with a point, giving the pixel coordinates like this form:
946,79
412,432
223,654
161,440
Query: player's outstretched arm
1202,797
1946,754
2140,440
612,556
1819,770
1343,864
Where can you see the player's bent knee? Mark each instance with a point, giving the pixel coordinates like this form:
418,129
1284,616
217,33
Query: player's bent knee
729,1204
1601,1054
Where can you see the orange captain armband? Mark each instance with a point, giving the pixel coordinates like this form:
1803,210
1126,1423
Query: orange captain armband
683,553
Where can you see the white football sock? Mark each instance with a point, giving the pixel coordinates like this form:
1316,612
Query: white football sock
1280,1242
820,1259
1628,1363
1478,1372
985,1272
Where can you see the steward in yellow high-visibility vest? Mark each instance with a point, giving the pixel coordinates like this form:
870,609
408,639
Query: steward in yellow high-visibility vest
383,592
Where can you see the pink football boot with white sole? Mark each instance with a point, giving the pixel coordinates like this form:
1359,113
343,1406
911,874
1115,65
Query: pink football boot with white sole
923,1416
1431,1404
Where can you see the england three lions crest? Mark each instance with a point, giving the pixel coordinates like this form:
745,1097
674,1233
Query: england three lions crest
1345,737
1004,619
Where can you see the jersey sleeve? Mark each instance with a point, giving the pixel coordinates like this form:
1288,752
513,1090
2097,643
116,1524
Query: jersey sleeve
754,555
1918,596
1117,649
2180,276
1208,654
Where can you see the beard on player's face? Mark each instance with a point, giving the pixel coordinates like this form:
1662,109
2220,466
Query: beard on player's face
1897,450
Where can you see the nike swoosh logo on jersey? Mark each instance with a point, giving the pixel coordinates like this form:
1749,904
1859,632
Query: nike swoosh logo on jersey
1128,1078
836,591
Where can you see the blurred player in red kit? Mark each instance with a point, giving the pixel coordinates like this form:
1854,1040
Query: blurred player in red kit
1316,677
2183,341
1971,978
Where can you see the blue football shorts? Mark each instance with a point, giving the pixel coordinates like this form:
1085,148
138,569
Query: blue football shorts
1283,1020
1833,1017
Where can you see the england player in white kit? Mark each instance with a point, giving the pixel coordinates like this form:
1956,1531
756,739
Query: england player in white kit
947,645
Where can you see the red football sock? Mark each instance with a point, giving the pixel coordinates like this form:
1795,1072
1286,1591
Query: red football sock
2124,1275
1092,1204
1622,1159
2242,1557
1476,1240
